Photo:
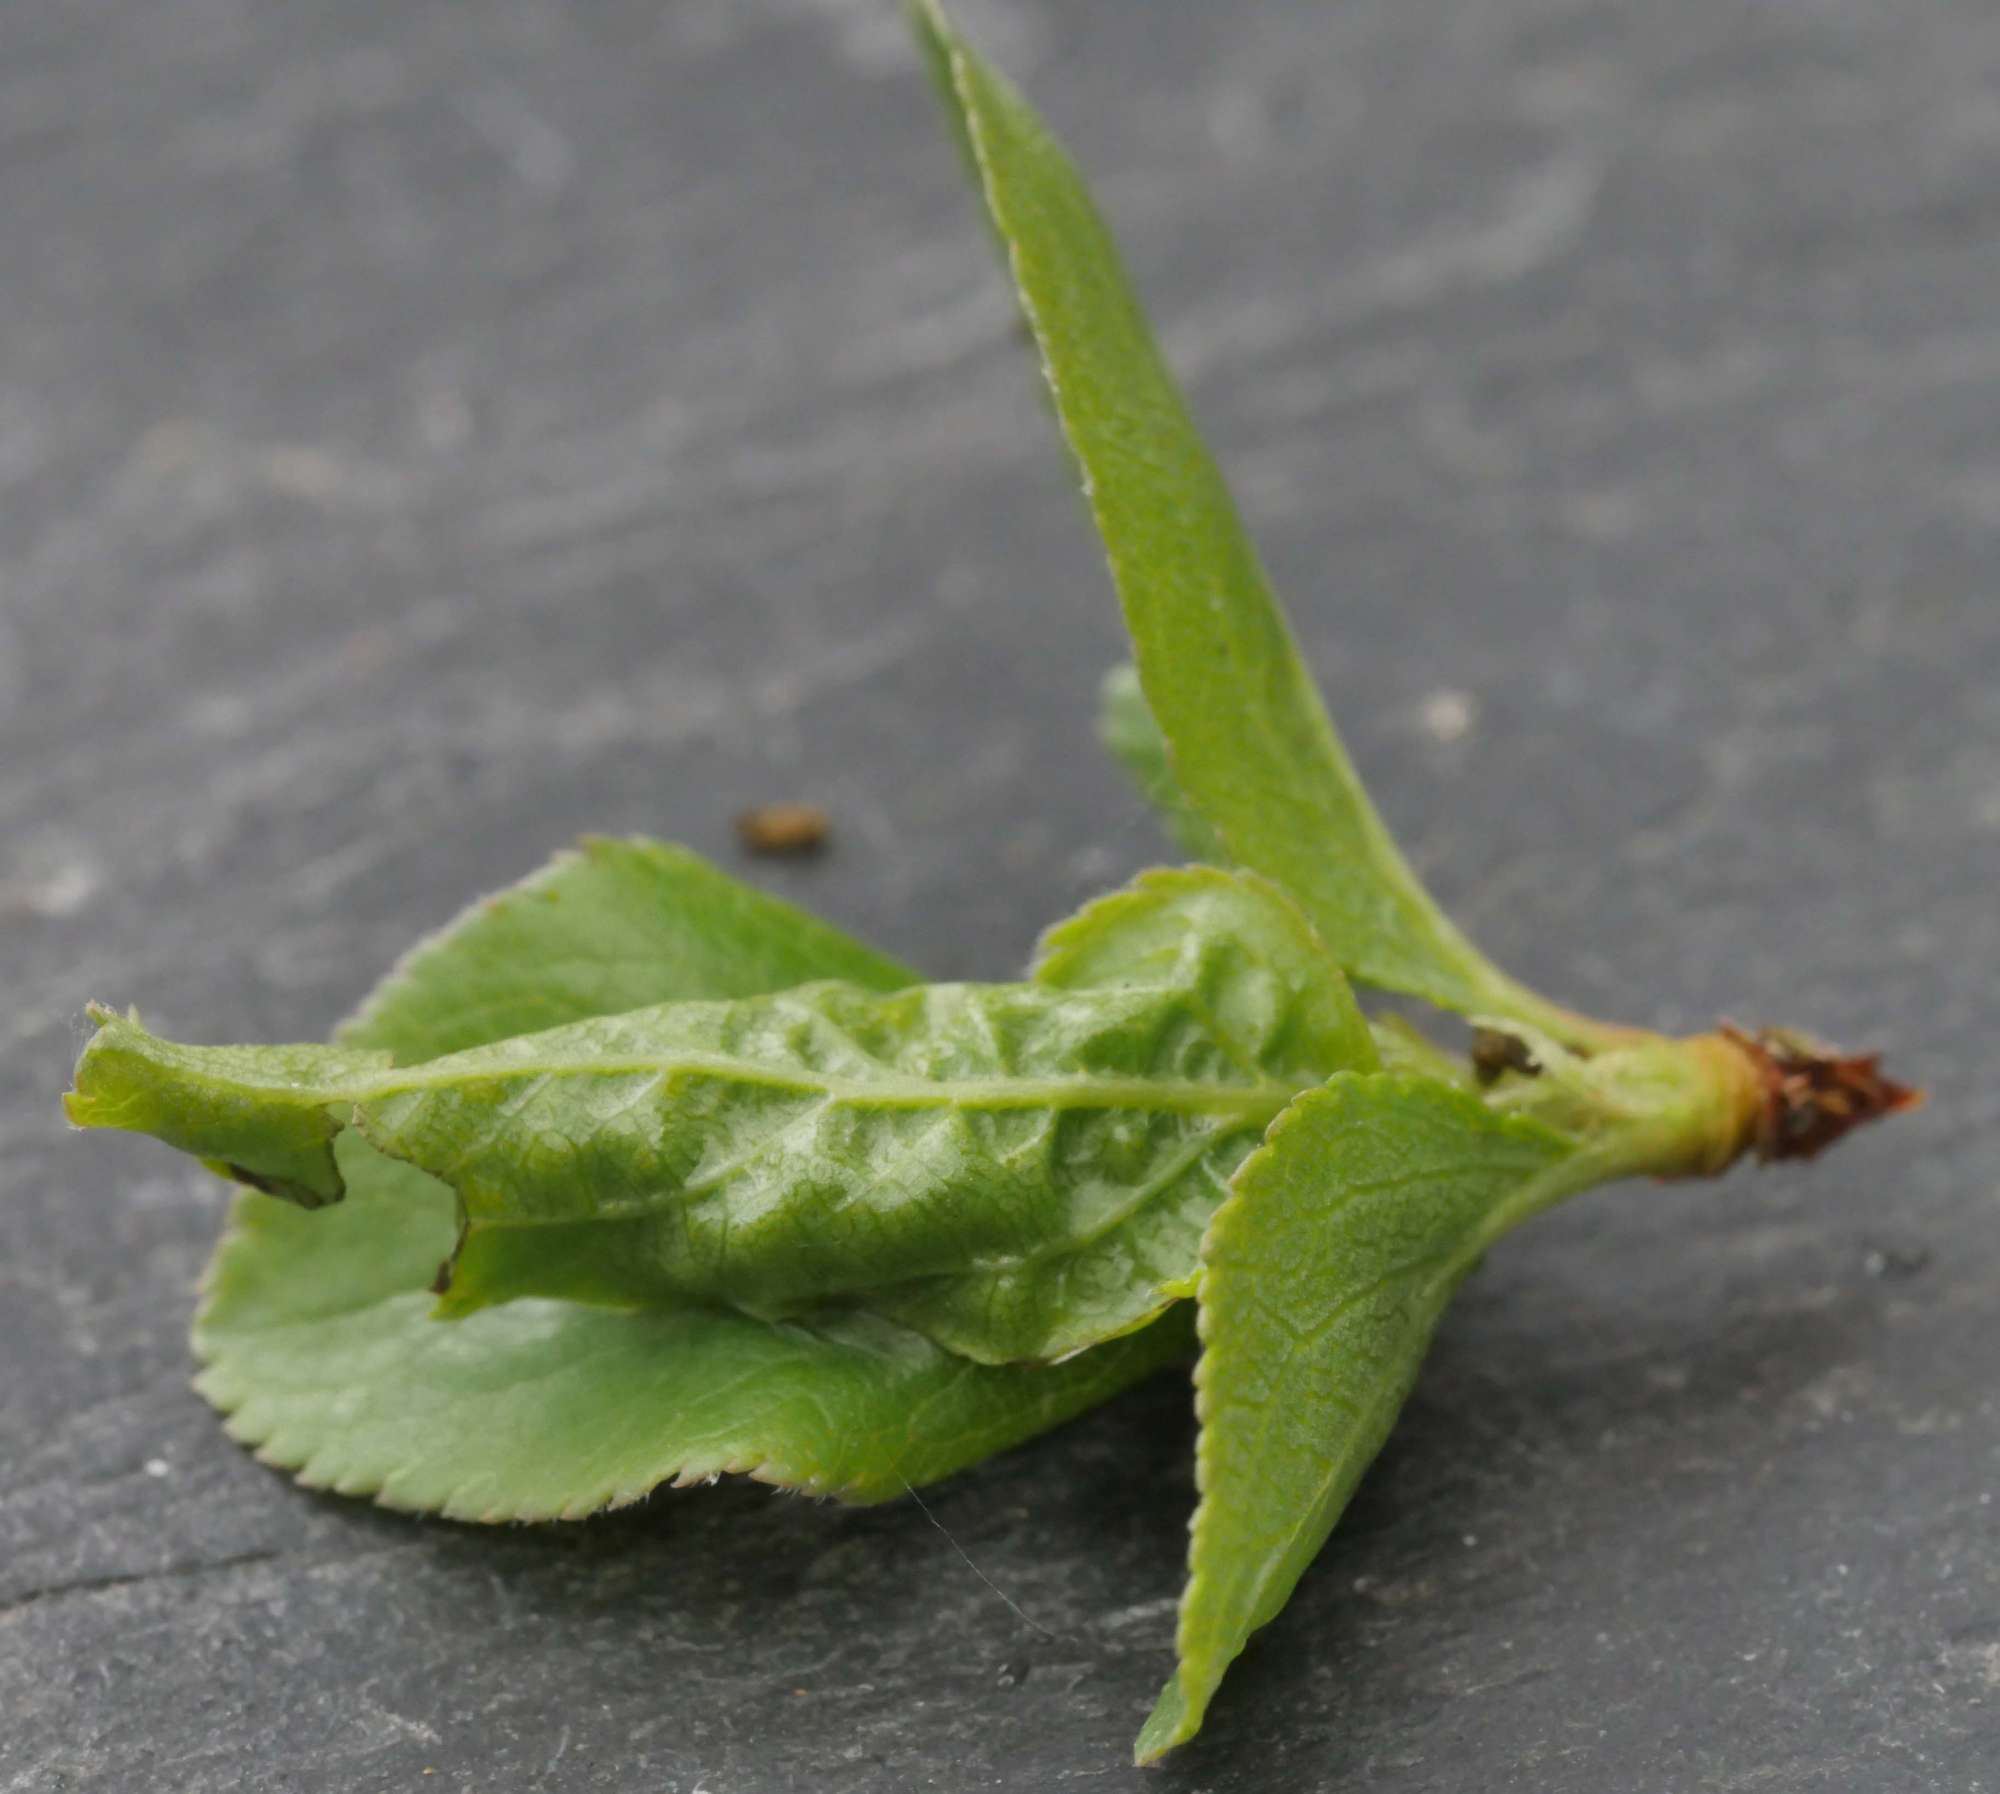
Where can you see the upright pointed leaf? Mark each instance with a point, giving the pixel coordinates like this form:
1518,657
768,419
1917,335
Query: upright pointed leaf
1249,738
1323,1277
315,1330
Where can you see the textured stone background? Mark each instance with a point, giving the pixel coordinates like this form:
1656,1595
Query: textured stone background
427,431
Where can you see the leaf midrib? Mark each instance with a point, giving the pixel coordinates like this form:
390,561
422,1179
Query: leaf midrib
1248,1101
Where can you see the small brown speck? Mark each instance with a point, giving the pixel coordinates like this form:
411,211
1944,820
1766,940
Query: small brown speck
783,828
1495,1052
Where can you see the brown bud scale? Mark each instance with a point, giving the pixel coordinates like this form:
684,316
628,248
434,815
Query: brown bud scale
1813,1094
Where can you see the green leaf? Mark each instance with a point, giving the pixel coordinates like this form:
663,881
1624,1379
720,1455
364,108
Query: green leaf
1249,739
147,1086
1018,1171
1126,727
316,1334
1243,950
1323,1278
613,925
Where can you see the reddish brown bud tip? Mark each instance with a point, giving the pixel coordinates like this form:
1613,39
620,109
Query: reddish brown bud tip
1813,1095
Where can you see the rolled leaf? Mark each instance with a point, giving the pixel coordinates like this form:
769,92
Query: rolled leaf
1018,1171
315,1330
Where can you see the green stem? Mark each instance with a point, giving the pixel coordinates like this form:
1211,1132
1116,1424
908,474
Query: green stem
1505,996
1653,1107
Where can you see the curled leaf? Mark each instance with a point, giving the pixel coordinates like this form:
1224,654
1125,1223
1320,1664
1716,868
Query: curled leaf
315,1330
1018,1171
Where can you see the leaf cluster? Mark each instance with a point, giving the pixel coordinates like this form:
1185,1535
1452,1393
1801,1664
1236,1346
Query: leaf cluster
633,1174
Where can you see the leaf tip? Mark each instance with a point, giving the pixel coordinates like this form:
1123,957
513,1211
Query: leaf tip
937,41
83,1102
1169,1725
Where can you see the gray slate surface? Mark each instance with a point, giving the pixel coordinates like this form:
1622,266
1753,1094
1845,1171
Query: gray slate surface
427,431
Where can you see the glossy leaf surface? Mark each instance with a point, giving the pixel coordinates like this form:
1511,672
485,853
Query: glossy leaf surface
316,1330
1017,1170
